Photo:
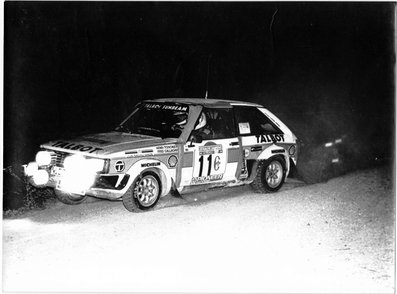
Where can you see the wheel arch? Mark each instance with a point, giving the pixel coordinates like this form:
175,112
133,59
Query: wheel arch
160,170
266,155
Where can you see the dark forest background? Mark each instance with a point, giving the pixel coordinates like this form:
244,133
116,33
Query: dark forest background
326,69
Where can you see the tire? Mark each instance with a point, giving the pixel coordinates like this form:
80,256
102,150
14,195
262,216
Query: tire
143,194
270,175
69,198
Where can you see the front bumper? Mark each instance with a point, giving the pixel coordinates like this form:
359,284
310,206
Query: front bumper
108,186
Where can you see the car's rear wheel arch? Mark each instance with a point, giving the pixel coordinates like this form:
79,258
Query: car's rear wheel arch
277,167
252,165
282,159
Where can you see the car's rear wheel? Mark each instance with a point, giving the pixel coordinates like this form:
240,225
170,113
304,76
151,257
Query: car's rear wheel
270,175
69,198
143,194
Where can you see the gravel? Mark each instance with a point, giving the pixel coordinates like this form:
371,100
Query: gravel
336,236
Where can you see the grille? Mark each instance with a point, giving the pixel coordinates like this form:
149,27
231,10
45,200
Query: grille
57,158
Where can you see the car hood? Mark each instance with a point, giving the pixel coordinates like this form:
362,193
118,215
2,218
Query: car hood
107,143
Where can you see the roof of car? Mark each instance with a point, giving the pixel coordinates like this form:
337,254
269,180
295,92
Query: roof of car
205,102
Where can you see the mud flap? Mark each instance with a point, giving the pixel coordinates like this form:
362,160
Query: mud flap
174,191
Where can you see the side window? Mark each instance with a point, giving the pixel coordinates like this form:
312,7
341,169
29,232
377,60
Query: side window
215,123
251,121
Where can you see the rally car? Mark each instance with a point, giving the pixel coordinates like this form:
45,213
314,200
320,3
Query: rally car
170,145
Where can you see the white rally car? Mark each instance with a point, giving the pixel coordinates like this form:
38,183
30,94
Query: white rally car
170,145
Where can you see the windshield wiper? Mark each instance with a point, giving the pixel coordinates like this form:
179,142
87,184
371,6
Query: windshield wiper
149,131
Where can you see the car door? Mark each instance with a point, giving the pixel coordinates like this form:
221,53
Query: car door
213,149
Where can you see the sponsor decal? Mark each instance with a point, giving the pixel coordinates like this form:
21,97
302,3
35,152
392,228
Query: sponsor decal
244,128
269,138
76,147
205,179
135,154
166,107
172,161
167,149
207,150
150,164
119,165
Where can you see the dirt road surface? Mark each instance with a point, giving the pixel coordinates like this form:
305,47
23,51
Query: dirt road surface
330,237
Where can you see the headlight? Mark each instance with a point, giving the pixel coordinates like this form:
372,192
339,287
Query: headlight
79,163
74,162
43,158
95,164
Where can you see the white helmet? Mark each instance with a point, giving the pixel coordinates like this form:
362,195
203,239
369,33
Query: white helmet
202,121
181,118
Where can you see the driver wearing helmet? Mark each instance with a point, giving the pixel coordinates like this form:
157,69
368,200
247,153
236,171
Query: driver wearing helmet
201,122
180,119
203,127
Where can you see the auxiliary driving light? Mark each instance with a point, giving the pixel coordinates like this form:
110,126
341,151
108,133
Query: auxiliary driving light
31,169
43,158
40,177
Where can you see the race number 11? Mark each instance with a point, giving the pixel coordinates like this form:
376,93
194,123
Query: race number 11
216,163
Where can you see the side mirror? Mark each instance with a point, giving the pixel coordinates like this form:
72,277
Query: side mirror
198,138
195,138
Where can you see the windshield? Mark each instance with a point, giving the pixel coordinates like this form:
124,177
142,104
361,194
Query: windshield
165,120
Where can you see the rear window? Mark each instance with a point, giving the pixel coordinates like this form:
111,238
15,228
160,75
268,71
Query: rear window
251,121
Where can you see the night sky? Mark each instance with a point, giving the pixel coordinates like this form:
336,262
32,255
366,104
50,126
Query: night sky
326,69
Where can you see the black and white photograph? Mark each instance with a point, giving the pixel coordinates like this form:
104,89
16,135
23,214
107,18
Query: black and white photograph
198,147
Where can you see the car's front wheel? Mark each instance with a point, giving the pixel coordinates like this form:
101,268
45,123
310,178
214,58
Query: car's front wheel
69,198
143,194
270,175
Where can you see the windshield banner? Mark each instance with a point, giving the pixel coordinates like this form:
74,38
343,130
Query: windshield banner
164,106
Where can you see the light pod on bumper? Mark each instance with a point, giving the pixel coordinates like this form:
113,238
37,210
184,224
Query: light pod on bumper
43,158
40,177
31,169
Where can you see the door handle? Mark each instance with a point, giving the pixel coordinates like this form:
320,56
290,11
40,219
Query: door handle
233,144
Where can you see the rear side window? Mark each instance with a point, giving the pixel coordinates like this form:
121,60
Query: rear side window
251,121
